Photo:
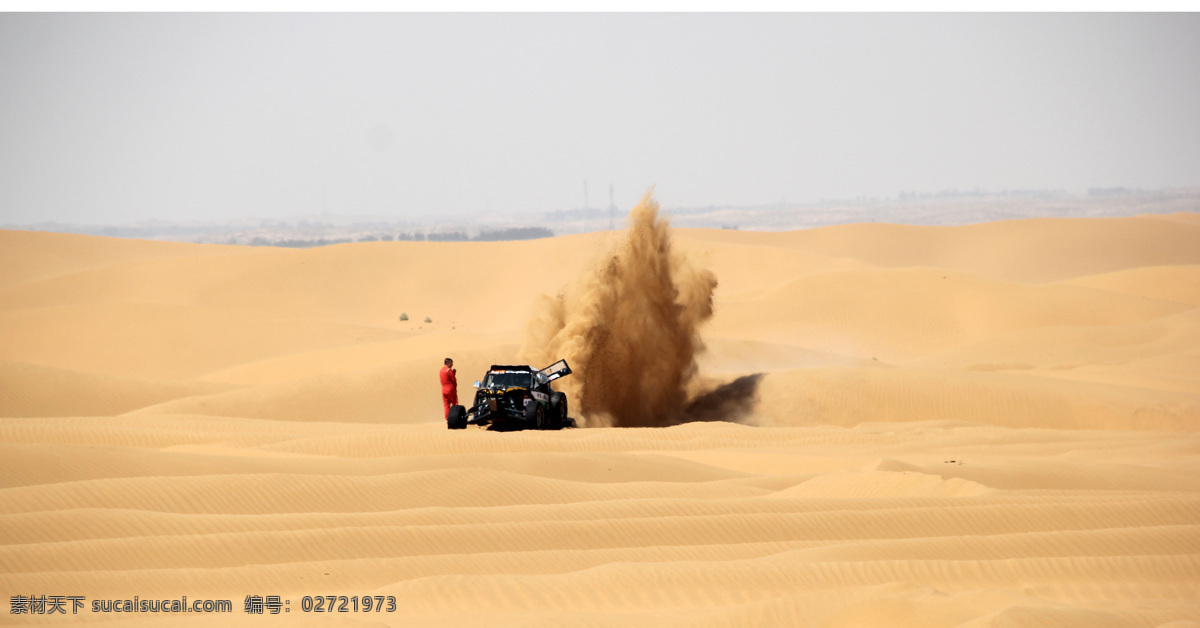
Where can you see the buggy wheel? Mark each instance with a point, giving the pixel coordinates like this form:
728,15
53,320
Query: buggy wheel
558,411
457,420
535,416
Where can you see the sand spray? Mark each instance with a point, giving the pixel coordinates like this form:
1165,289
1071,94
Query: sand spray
629,327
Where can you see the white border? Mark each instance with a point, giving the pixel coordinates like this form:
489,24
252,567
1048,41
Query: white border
606,6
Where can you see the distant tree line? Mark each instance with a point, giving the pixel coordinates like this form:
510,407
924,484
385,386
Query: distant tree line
487,235
977,193
298,244
450,236
1119,191
494,235
514,233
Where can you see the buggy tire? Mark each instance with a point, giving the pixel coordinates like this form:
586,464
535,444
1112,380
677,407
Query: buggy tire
558,411
535,416
457,420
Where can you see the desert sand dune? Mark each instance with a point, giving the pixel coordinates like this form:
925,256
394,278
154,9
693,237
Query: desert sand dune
1032,251
989,425
1170,283
143,339
29,256
28,390
905,313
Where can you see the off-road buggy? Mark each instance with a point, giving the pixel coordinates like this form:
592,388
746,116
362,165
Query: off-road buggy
513,397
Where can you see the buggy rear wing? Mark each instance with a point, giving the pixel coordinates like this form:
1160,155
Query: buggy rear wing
556,370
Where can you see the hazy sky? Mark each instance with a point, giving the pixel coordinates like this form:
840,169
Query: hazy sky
108,118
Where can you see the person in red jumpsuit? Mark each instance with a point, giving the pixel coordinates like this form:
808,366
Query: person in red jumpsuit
449,378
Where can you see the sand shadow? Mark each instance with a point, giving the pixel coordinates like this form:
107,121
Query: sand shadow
731,402
517,427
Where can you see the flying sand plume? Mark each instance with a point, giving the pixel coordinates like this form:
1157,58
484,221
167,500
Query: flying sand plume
629,329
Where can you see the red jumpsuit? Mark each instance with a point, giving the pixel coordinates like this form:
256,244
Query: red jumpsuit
449,389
